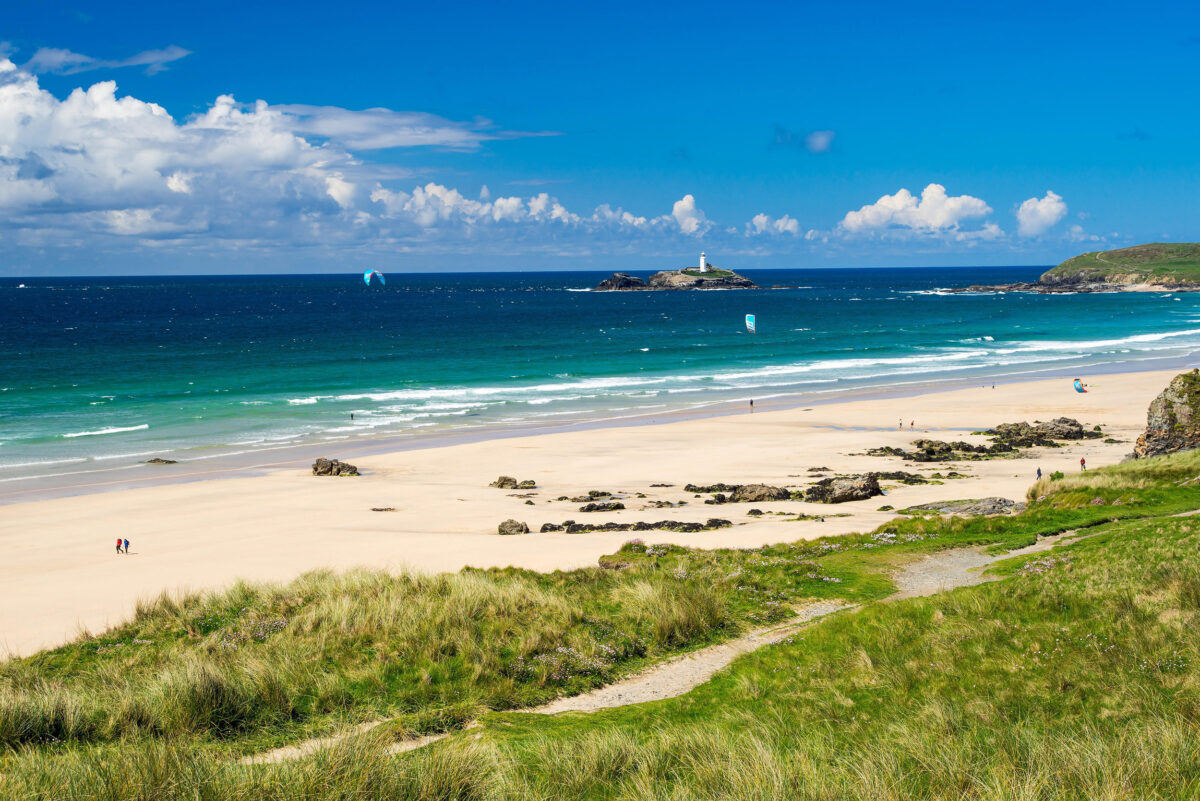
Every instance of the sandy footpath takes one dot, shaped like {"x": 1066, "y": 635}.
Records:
{"x": 61, "y": 572}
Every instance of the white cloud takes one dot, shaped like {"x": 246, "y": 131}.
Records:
{"x": 688, "y": 217}
{"x": 1076, "y": 234}
{"x": 1036, "y": 216}
{"x": 763, "y": 224}
{"x": 380, "y": 128}
{"x": 65, "y": 62}
{"x": 819, "y": 141}
{"x": 934, "y": 212}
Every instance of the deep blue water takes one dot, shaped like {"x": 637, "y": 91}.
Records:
{"x": 101, "y": 374}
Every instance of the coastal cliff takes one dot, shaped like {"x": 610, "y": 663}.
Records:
{"x": 1156, "y": 267}
{"x": 678, "y": 279}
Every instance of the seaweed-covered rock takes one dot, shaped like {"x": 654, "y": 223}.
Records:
{"x": 843, "y": 489}
{"x": 333, "y": 467}
{"x": 757, "y": 493}
{"x": 611, "y": 506}
{"x": 1172, "y": 421}
{"x": 504, "y": 482}
{"x": 528, "y": 483}
{"x": 512, "y": 527}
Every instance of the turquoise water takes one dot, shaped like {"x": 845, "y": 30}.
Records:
{"x": 98, "y": 375}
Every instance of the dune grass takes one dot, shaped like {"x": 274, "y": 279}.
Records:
{"x": 997, "y": 691}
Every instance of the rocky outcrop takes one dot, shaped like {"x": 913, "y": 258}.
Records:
{"x": 1173, "y": 420}
{"x": 678, "y": 279}
{"x": 504, "y": 482}
{"x": 509, "y": 527}
{"x": 1006, "y": 438}
{"x": 620, "y": 281}
{"x": 157, "y": 460}
{"x": 843, "y": 489}
{"x": 968, "y": 506}
{"x": 757, "y": 493}
{"x": 333, "y": 467}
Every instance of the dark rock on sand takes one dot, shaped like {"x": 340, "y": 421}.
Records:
{"x": 504, "y": 482}
{"x": 527, "y": 484}
{"x": 512, "y": 527}
{"x": 1172, "y": 421}
{"x": 383, "y": 508}
{"x": 158, "y": 460}
{"x": 757, "y": 493}
{"x": 571, "y": 527}
{"x": 333, "y": 467}
{"x": 611, "y": 506}
{"x": 843, "y": 489}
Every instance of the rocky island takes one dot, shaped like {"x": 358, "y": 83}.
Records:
{"x": 706, "y": 276}
{"x": 1155, "y": 267}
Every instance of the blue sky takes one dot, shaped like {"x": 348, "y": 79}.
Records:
{"x": 256, "y": 137}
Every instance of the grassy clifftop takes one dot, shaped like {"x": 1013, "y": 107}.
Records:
{"x": 1158, "y": 263}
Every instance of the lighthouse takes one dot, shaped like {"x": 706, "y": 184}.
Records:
{"x": 703, "y": 263}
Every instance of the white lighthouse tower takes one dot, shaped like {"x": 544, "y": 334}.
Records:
{"x": 703, "y": 263}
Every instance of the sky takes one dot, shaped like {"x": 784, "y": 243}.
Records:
{"x": 168, "y": 138}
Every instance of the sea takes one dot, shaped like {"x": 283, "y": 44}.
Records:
{"x": 99, "y": 375}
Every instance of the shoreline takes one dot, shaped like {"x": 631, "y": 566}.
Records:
{"x": 62, "y": 576}
{"x": 301, "y": 455}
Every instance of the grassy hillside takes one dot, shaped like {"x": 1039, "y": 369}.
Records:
{"x": 1179, "y": 263}
{"x": 1078, "y": 677}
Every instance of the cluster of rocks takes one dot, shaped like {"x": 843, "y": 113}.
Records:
{"x": 593, "y": 495}
{"x": 1006, "y": 439}
{"x": 333, "y": 467}
{"x": 160, "y": 460}
{"x": 1173, "y": 420}
{"x": 968, "y": 506}
{"x": 842, "y": 489}
{"x": 687, "y": 527}
{"x": 508, "y": 482}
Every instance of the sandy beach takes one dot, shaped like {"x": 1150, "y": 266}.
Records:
{"x": 62, "y": 575}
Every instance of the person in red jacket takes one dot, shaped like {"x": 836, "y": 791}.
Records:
{"x": 1083, "y": 464}
{"x": 118, "y": 544}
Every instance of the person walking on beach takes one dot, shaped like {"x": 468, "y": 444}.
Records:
{"x": 126, "y": 546}
{"x": 1039, "y": 474}
{"x": 752, "y": 406}
{"x": 1083, "y": 464}
{"x": 118, "y": 544}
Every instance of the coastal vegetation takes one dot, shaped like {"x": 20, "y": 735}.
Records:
{"x": 1079, "y": 670}
{"x": 1153, "y": 263}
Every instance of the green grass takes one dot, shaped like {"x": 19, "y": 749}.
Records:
{"x": 1177, "y": 262}
{"x": 713, "y": 272}
{"x": 924, "y": 698}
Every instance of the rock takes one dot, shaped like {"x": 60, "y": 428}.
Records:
{"x": 758, "y": 493}
{"x": 842, "y": 490}
{"x": 710, "y": 488}
{"x": 689, "y": 279}
{"x": 383, "y": 508}
{"x": 512, "y": 527}
{"x": 612, "y": 506}
{"x": 620, "y": 281}
{"x": 504, "y": 482}
{"x": 157, "y": 460}
{"x": 1172, "y": 422}
{"x": 968, "y": 506}
{"x": 755, "y": 512}
{"x": 333, "y": 467}
{"x": 527, "y": 484}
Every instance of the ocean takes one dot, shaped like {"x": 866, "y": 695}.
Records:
{"x": 97, "y": 375}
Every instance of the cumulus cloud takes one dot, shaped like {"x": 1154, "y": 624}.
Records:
{"x": 1036, "y": 216}
{"x": 763, "y": 224}
{"x": 934, "y": 212}
{"x": 689, "y": 217}
{"x": 64, "y": 62}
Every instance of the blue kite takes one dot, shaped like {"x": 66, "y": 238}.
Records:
{"x": 369, "y": 274}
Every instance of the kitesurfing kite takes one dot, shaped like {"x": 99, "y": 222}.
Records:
{"x": 1079, "y": 386}
{"x": 750, "y": 323}
{"x": 369, "y": 274}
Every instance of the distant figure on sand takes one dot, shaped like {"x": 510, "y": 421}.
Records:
{"x": 1083, "y": 464}
{"x": 118, "y": 544}
{"x": 901, "y": 425}
{"x": 752, "y": 406}
{"x": 1039, "y": 474}
{"x": 126, "y": 546}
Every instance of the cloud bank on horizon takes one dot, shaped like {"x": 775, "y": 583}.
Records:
{"x": 96, "y": 169}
